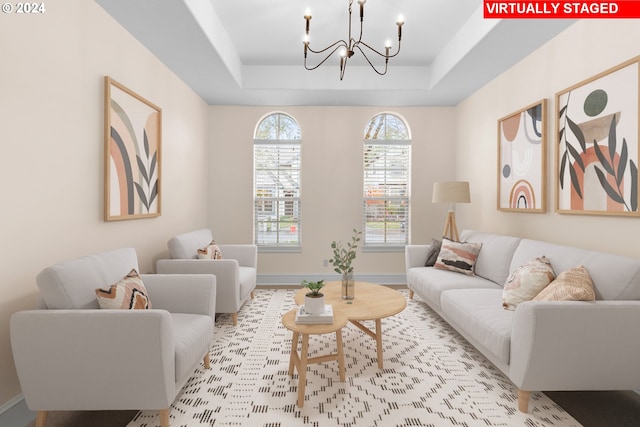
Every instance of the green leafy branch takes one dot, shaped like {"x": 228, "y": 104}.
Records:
{"x": 570, "y": 152}
{"x": 343, "y": 257}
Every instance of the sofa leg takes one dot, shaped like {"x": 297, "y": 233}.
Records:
{"x": 410, "y": 293}
{"x": 253, "y": 294}
{"x": 41, "y": 418}
{"x": 523, "y": 400}
{"x": 207, "y": 361}
{"x": 164, "y": 417}
{"x": 234, "y": 317}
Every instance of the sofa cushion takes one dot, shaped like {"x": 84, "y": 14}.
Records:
{"x": 193, "y": 334}
{"x": 615, "y": 277}
{"x": 429, "y": 283}
{"x": 128, "y": 293}
{"x": 574, "y": 284}
{"x": 478, "y": 314}
{"x": 459, "y": 257}
{"x": 495, "y": 257}
{"x": 72, "y": 284}
{"x": 526, "y": 282}
{"x": 432, "y": 253}
{"x": 212, "y": 251}
{"x": 186, "y": 245}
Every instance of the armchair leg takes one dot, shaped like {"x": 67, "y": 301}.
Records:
{"x": 523, "y": 400}
{"x": 207, "y": 361}
{"x": 41, "y": 418}
{"x": 164, "y": 417}
{"x": 253, "y": 294}
{"x": 234, "y": 317}
{"x": 410, "y": 293}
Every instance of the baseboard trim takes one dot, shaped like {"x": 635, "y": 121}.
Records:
{"x": 295, "y": 279}
{"x": 15, "y": 413}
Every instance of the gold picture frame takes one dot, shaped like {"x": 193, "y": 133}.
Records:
{"x": 522, "y": 159}
{"x": 597, "y": 143}
{"x": 132, "y": 146}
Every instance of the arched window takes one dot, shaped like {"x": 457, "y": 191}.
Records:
{"x": 387, "y": 178}
{"x": 276, "y": 159}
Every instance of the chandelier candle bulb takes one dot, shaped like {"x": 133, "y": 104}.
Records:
{"x": 362, "y": 2}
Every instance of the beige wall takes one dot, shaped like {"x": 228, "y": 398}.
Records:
{"x": 331, "y": 180}
{"x": 51, "y": 166}
{"x": 586, "y": 48}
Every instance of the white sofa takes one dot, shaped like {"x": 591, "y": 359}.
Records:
{"x": 73, "y": 356}
{"x": 236, "y": 272}
{"x": 541, "y": 346}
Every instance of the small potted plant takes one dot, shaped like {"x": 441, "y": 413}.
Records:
{"x": 314, "y": 299}
{"x": 342, "y": 259}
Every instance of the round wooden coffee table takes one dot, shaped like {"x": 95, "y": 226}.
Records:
{"x": 301, "y": 361}
{"x": 371, "y": 302}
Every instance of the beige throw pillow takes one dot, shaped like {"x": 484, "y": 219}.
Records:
{"x": 460, "y": 257}
{"x": 574, "y": 284}
{"x": 526, "y": 282}
{"x": 212, "y": 251}
{"x": 128, "y": 293}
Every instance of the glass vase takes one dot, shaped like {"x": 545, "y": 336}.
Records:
{"x": 348, "y": 286}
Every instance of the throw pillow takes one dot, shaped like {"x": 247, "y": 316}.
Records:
{"x": 212, "y": 251}
{"x": 127, "y": 293}
{"x": 574, "y": 284}
{"x": 432, "y": 253}
{"x": 526, "y": 282}
{"x": 458, "y": 256}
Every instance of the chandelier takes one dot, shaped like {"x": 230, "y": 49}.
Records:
{"x": 347, "y": 48}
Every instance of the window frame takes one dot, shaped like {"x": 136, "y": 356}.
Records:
{"x": 279, "y": 203}
{"x": 404, "y": 199}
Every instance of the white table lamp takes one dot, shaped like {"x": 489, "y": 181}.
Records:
{"x": 451, "y": 192}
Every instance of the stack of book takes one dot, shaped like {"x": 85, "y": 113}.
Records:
{"x": 324, "y": 318}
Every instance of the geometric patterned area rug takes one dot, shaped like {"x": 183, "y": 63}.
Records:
{"x": 431, "y": 377}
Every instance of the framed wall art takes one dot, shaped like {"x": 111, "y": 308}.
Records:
{"x": 522, "y": 159}
{"x": 133, "y": 137}
{"x": 597, "y": 144}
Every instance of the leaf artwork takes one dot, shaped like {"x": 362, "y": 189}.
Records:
{"x": 147, "y": 193}
{"x": 611, "y": 175}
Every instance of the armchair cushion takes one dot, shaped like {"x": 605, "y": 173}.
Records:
{"x": 186, "y": 245}
{"x": 128, "y": 293}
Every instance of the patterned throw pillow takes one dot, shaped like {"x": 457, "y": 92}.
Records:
{"x": 432, "y": 253}
{"x": 574, "y": 284}
{"x": 526, "y": 282}
{"x": 458, "y": 256}
{"x": 212, "y": 251}
{"x": 127, "y": 293}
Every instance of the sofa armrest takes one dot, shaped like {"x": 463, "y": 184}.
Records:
{"x": 66, "y": 359}
{"x": 227, "y": 272}
{"x": 415, "y": 255}
{"x": 246, "y": 255}
{"x": 182, "y": 293}
{"x": 575, "y": 345}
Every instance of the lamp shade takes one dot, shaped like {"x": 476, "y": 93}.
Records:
{"x": 451, "y": 192}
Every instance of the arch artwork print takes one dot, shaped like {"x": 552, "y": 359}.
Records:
{"x": 522, "y": 160}
{"x": 133, "y": 128}
{"x": 597, "y": 144}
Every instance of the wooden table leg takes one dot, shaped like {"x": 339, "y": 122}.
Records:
{"x": 379, "y": 341}
{"x": 294, "y": 349}
{"x": 340, "y": 354}
{"x": 302, "y": 371}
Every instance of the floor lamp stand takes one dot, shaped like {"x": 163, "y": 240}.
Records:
{"x": 450, "y": 228}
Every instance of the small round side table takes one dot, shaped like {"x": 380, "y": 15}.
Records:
{"x": 300, "y": 361}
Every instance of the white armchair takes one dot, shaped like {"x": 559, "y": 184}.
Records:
{"x": 235, "y": 272}
{"x": 74, "y": 356}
